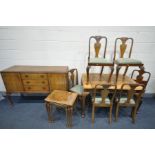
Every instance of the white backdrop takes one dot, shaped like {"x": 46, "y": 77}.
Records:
{"x": 69, "y": 46}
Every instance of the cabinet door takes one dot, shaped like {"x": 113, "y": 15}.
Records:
{"x": 58, "y": 81}
{"x": 12, "y": 82}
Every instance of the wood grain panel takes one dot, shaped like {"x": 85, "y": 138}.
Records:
{"x": 12, "y": 82}
{"x": 58, "y": 81}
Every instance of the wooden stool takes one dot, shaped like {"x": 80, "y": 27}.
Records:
{"x": 62, "y": 99}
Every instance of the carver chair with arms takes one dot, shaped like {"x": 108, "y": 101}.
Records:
{"x": 141, "y": 77}
{"x": 75, "y": 87}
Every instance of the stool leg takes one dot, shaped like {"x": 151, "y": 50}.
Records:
{"x": 69, "y": 111}
{"x": 49, "y": 110}
{"x": 71, "y": 114}
{"x": 67, "y": 117}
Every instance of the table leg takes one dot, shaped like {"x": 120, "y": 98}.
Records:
{"x": 110, "y": 115}
{"x": 140, "y": 103}
{"x": 126, "y": 69}
{"x": 83, "y": 98}
{"x": 87, "y": 70}
{"x": 117, "y": 72}
{"x": 101, "y": 70}
{"x": 112, "y": 70}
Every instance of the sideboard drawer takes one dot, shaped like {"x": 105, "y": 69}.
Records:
{"x": 36, "y": 88}
{"x": 35, "y": 82}
{"x": 33, "y": 76}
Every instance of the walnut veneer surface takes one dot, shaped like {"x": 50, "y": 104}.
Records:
{"x": 97, "y": 79}
{"x": 35, "y": 79}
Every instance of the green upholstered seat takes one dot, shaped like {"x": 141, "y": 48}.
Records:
{"x": 128, "y": 61}
{"x": 77, "y": 89}
{"x": 124, "y": 99}
{"x": 100, "y": 61}
{"x": 98, "y": 100}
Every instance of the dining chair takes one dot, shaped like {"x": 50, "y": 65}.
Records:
{"x": 122, "y": 45}
{"x": 74, "y": 86}
{"x": 103, "y": 98}
{"x": 141, "y": 77}
{"x": 97, "y": 58}
{"x": 128, "y": 99}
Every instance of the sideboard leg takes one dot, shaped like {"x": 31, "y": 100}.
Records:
{"x": 8, "y": 96}
{"x": 22, "y": 95}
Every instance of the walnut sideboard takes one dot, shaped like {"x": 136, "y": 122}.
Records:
{"x": 34, "y": 79}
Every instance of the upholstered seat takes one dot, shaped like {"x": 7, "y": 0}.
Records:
{"x": 128, "y": 61}
{"x": 98, "y": 100}
{"x": 77, "y": 89}
{"x": 100, "y": 61}
{"x": 124, "y": 99}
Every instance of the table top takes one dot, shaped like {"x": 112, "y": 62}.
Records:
{"x": 96, "y": 79}
{"x": 40, "y": 69}
{"x": 62, "y": 97}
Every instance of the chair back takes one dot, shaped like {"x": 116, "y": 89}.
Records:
{"x": 105, "y": 91}
{"x": 73, "y": 77}
{"x": 97, "y": 45}
{"x": 142, "y": 77}
{"x": 129, "y": 90}
{"x": 123, "y": 43}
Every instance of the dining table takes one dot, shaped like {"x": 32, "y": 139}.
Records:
{"x": 96, "y": 78}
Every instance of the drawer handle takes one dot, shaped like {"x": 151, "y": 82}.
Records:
{"x": 44, "y": 88}
{"x": 26, "y": 76}
{"x": 29, "y": 88}
{"x": 27, "y": 82}
{"x": 42, "y": 76}
{"x": 43, "y": 82}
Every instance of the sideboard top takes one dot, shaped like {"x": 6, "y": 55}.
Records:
{"x": 41, "y": 69}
